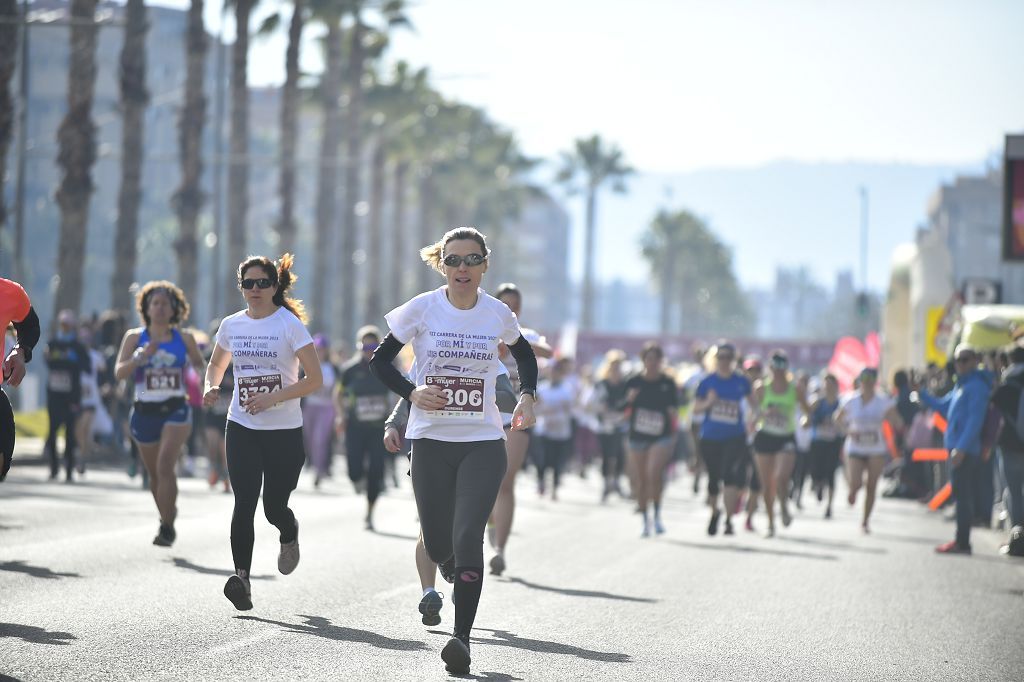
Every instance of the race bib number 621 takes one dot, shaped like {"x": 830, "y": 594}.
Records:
{"x": 465, "y": 397}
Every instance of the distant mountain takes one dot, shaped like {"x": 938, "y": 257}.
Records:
{"x": 784, "y": 213}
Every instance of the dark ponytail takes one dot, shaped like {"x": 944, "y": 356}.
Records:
{"x": 284, "y": 278}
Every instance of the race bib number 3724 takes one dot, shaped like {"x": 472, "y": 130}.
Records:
{"x": 251, "y": 386}
{"x": 465, "y": 397}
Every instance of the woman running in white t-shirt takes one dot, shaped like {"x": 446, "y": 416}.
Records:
{"x": 266, "y": 344}
{"x": 861, "y": 416}
{"x": 458, "y": 442}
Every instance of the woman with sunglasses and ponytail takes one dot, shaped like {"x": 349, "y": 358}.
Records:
{"x": 266, "y": 344}
{"x": 154, "y": 357}
{"x": 455, "y": 428}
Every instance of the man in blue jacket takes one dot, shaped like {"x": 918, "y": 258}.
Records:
{"x": 964, "y": 408}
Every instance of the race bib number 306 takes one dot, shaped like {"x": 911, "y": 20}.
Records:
{"x": 465, "y": 397}
{"x": 251, "y": 386}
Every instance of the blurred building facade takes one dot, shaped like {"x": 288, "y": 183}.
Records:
{"x": 956, "y": 255}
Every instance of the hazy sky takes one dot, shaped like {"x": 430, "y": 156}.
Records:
{"x": 684, "y": 85}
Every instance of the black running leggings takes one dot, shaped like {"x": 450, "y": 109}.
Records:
{"x": 366, "y": 454}
{"x": 612, "y": 454}
{"x": 455, "y": 485}
{"x": 269, "y": 459}
{"x": 61, "y": 414}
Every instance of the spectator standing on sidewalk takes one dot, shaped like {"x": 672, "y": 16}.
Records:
{"x": 1007, "y": 399}
{"x": 964, "y": 408}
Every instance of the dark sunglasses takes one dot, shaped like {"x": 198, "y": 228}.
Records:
{"x": 472, "y": 260}
{"x": 261, "y": 283}
{"x": 725, "y": 357}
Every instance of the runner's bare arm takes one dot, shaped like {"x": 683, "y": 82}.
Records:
{"x": 125, "y": 359}
{"x": 215, "y": 374}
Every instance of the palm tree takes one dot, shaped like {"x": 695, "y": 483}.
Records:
{"x": 599, "y": 164}
{"x": 9, "y": 20}
{"x": 660, "y": 245}
{"x": 689, "y": 261}
{"x": 392, "y": 109}
{"x": 134, "y": 99}
{"x": 238, "y": 165}
{"x": 328, "y": 13}
{"x": 286, "y": 227}
{"x": 363, "y": 41}
{"x": 188, "y": 199}
{"x": 76, "y": 139}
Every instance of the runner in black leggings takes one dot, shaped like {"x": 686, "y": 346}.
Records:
{"x": 458, "y": 449}
{"x": 266, "y": 343}
{"x": 15, "y": 308}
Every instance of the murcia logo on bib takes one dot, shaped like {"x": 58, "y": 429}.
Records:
{"x": 465, "y": 398}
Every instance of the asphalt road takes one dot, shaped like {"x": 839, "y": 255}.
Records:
{"x": 84, "y": 595}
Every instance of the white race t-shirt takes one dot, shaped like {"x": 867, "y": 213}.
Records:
{"x": 864, "y": 430}
{"x": 263, "y": 354}
{"x": 456, "y": 350}
{"x": 554, "y": 407}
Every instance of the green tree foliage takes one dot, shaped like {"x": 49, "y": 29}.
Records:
{"x": 694, "y": 274}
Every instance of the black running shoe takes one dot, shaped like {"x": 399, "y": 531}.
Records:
{"x": 447, "y": 569}
{"x": 237, "y": 590}
{"x": 713, "y": 525}
{"x": 165, "y": 536}
{"x": 728, "y": 528}
{"x": 430, "y": 607}
{"x": 455, "y": 655}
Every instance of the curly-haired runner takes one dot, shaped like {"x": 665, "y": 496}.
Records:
{"x": 154, "y": 356}
{"x": 267, "y": 342}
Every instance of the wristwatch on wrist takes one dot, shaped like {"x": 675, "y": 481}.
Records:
{"x": 530, "y": 392}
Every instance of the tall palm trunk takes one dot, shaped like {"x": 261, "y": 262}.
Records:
{"x": 427, "y": 229}
{"x": 9, "y": 17}
{"x": 238, "y": 167}
{"x": 374, "y": 256}
{"x": 587, "y": 317}
{"x": 189, "y": 198}
{"x": 349, "y": 225}
{"x": 134, "y": 98}
{"x": 76, "y": 139}
{"x": 286, "y": 227}
{"x": 327, "y": 179}
{"x": 399, "y": 257}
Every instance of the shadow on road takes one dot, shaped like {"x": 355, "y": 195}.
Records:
{"x": 754, "y": 550}
{"x": 34, "y": 635}
{"x": 578, "y": 593}
{"x": 395, "y": 536}
{"x": 497, "y": 677}
{"x": 509, "y": 639}
{"x": 830, "y": 544}
{"x": 321, "y": 627}
{"x": 916, "y": 540}
{"x": 205, "y": 570}
{"x": 35, "y": 571}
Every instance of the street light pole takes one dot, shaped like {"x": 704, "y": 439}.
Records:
{"x": 864, "y": 238}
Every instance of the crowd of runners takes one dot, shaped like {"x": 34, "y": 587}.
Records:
{"x": 473, "y": 397}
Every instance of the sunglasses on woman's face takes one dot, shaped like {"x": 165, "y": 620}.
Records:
{"x": 261, "y": 283}
{"x": 472, "y": 260}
